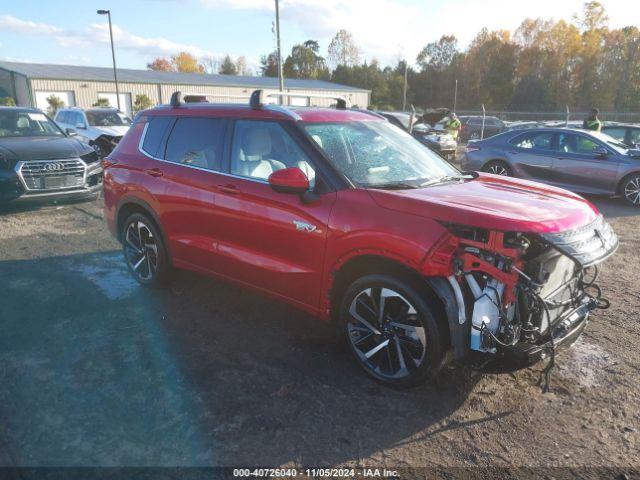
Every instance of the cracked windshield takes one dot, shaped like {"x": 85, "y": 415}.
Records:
{"x": 379, "y": 155}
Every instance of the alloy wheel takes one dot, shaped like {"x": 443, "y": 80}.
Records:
{"x": 498, "y": 169}
{"x": 141, "y": 250}
{"x": 386, "y": 333}
{"x": 632, "y": 191}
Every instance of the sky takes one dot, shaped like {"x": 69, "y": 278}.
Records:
{"x": 70, "y": 31}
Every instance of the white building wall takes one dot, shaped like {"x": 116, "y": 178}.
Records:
{"x": 86, "y": 93}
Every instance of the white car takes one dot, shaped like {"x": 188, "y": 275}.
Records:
{"x": 100, "y": 127}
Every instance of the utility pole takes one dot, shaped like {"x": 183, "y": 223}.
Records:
{"x": 113, "y": 54}
{"x": 404, "y": 93}
{"x": 280, "y": 74}
{"x": 455, "y": 97}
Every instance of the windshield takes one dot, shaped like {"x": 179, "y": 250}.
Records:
{"x": 20, "y": 123}
{"x": 107, "y": 118}
{"x": 611, "y": 142}
{"x": 378, "y": 154}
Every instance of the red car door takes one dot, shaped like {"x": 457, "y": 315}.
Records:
{"x": 192, "y": 158}
{"x": 273, "y": 241}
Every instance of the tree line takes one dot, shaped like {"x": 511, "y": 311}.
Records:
{"x": 544, "y": 65}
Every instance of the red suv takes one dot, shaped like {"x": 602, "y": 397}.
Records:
{"x": 339, "y": 213}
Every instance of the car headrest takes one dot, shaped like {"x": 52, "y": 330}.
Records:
{"x": 23, "y": 122}
{"x": 256, "y": 142}
{"x": 317, "y": 139}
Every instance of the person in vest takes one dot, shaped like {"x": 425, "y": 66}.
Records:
{"x": 593, "y": 122}
{"x": 452, "y": 125}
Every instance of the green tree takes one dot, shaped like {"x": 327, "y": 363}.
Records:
{"x": 269, "y": 65}
{"x": 228, "y": 66}
{"x": 305, "y": 62}
{"x": 54, "y": 104}
{"x": 142, "y": 102}
{"x": 102, "y": 102}
{"x": 7, "y": 102}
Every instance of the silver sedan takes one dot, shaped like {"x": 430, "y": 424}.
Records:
{"x": 578, "y": 160}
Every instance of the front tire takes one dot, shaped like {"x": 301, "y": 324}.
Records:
{"x": 391, "y": 330}
{"x": 144, "y": 250}
{"x": 630, "y": 189}
{"x": 498, "y": 167}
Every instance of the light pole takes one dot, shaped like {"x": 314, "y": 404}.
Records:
{"x": 404, "y": 90}
{"x": 113, "y": 54}
{"x": 280, "y": 74}
{"x": 455, "y": 97}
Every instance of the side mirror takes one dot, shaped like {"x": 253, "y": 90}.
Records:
{"x": 71, "y": 132}
{"x": 601, "y": 152}
{"x": 81, "y": 126}
{"x": 289, "y": 180}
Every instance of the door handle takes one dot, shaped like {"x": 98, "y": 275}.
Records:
{"x": 231, "y": 189}
{"x": 154, "y": 172}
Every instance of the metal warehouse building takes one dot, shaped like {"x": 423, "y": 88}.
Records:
{"x": 30, "y": 84}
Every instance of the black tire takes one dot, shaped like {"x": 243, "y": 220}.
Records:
{"x": 630, "y": 189}
{"x": 498, "y": 167}
{"x": 144, "y": 250}
{"x": 421, "y": 344}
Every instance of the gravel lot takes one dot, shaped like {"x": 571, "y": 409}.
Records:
{"x": 99, "y": 371}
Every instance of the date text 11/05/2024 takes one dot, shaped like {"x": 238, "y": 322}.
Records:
{"x": 315, "y": 472}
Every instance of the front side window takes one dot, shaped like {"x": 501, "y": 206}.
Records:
{"x": 379, "y": 155}
{"x": 635, "y": 136}
{"x": 16, "y": 123}
{"x": 196, "y": 142}
{"x": 616, "y": 132}
{"x": 107, "y": 118}
{"x": 261, "y": 147}
{"x": 534, "y": 140}
{"x": 570, "y": 143}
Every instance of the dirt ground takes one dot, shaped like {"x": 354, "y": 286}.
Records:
{"x": 97, "y": 371}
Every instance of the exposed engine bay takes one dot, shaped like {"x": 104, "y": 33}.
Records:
{"x": 521, "y": 295}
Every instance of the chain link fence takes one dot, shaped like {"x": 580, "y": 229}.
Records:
{"x": 577, "y": 115}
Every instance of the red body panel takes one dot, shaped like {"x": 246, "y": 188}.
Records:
{"x": 243, "y": 230}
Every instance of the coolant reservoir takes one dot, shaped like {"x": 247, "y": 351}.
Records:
{"x": 485, "y": 309}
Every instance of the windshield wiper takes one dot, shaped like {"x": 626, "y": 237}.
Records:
{"x": 392, "y": 186}
{"x": 445, "y": 179}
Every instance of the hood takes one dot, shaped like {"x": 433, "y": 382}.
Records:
{"x": 114, "y": 131}
{"x": 42, "y": 148}
{"x": 495, "y": 203}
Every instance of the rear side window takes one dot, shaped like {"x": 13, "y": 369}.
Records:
{"x": 197, "y": 142}
{"x": 537, "y": 140}
{"x": 156, "y": 128}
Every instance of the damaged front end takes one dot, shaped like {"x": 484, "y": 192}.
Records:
{"x": 519, "y": 296}
{"x": 104, "y": 144}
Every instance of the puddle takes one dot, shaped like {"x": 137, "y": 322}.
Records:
{"x": 108, "y": 272}
{"x": 585, "y": 362}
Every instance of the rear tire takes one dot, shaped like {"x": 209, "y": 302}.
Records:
{"x": 144, "y": 250}
{"x": 498, "y": 167}
{"x": 391, "y": 330}
{"x": 630, "y": 189}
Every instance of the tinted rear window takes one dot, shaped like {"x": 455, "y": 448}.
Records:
{"x": 197, "y": 142}
{"x": 156, "y": 129}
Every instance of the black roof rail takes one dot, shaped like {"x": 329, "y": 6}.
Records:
{"x": 258, "y": 96}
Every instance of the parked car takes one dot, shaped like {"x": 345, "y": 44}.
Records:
{"x": 342, "y": 215}
{"x": 624, "y": 133}
{"x": 38, "y": 161}
{"x": 578, "y": 160}
{"x": 471, "y": 128}
{"x": 100, "y": 127}
{"x": 437, "y": 140}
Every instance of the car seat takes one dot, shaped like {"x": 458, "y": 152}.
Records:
{"x": 254, "y": 155}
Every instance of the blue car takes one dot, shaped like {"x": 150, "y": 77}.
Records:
{"x": 578, "y": 160}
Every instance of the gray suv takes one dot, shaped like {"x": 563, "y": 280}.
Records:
{"x": 578, "y": 160}
{"x": 100, "y": 127}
